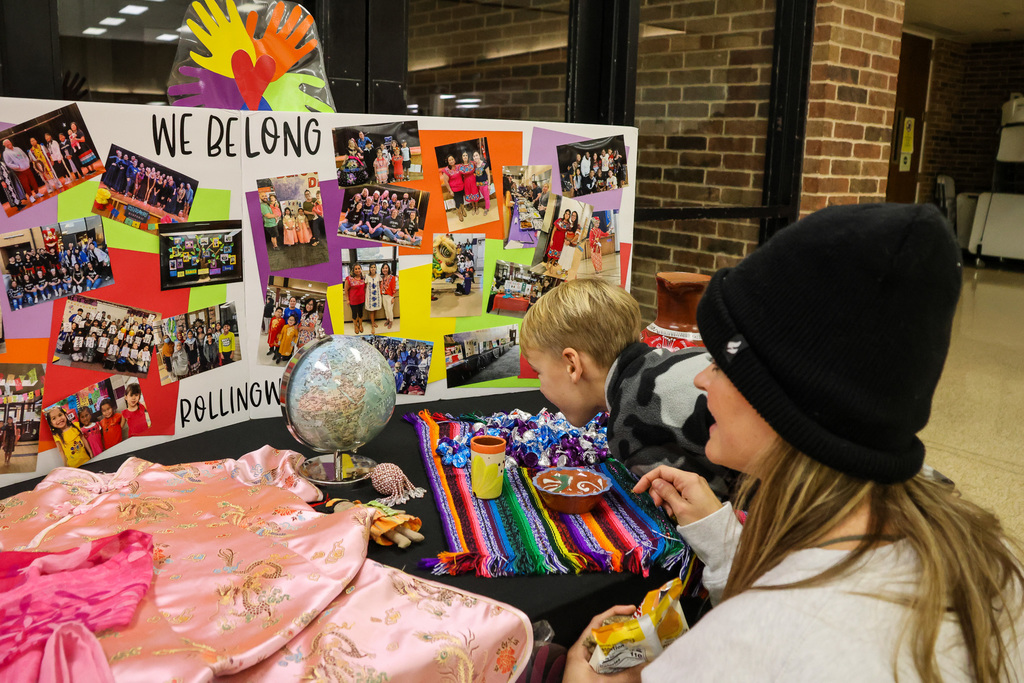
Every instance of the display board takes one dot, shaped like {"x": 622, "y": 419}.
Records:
{"x": 134, "y": 313}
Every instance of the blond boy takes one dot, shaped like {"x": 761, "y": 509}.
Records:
{"x": 582, "y": 339}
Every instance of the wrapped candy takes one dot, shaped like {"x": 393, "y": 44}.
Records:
{"x": 536, "y": 441}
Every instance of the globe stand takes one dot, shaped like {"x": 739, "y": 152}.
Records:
{"x": 325, "y": 470}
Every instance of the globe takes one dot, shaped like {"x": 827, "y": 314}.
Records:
{"x": 338, "y": 393}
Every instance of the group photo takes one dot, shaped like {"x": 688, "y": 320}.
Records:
{"x": 467, "y": 186}
{"x": 111, "y": 338}
{"x": 381, "y": 153}
{"x": 21, "y": 395}
{"x": 593, "y": 166}
{"x": 409, "y": 360}
{"x": 560, "y": 245}
{"x": 195, "y": 254}
{"x": 198, "y": 341}
{"x": 515, "y": 288}
{"x": 481, "y": 355}
{"x": 45, "y": 156}
{"x": 142, "y": 193}
{"x": 527, "y": 190}
{"x": 370, "y": 281}
{"x": 293, "y": 315}
{"x": 96, "y": 418}
{"x": 456, "y": 275}
{"x": 53, "y": 261}
{"x": 384, "y": 213}
{"x": 293, "y": 221}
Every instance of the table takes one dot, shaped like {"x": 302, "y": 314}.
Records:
{"x": 567, "y": 602}
{"x": 511, "y": 303}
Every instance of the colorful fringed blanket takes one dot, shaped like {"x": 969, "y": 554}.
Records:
{"x": 517, "y": 534}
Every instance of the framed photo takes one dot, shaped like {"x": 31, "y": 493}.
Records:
{"x": 196, "y": 254}
{"x": 467, "y": 188}
{"x": 409, "y": 360}
{"x": 591, "y": 166}
{"x": 198, "y": 341}
{"x": 384, "y": 213}
{"x": 297, "y": 312}
{"x": 293, "y": 221}
{"x": 457, "y": 275}
{"x": 54, "y": 261}
{"x": 142, "y": 192}
{"x": 111, "y": 338}
{"x": 481, "y": 355}
{"x": 44, "y": 156}
{"x": 381, "y": 152}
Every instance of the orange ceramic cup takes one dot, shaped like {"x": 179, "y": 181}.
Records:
{"x": 487, "y": 467}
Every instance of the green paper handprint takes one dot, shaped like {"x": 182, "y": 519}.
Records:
{"x": 225, "y": 34}
{"x": 286, "y": 94}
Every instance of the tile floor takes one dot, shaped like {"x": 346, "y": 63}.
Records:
{"x": 976, "y": 432}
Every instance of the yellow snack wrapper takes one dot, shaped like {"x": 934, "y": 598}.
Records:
{"x": 658, "y": 621}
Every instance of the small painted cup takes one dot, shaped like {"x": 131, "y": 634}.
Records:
{"x": 487, "y": 467}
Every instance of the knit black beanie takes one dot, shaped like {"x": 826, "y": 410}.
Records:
{"x": 836, "y": 331}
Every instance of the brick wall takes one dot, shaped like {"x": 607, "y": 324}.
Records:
{"x": 969, "y": 85}
{"x": 852, "y": 96}
{"x": 512, "y": 58}
{"x": 703, "y": 79}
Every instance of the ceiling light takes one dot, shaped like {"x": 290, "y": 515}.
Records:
{"x": 447, "y": 97}
{"x": 167, "y": 36}
{"x": 93, "y": 31}
{"x": 466, "y": 106}
{"x": 468, "y": 100}
{"x": 112, "y": 21}
{"x": 133, "y": 9}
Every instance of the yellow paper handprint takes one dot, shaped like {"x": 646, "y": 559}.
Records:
{"x": 276, "y": 40}
{"x": 286, "y": 94}
{"x": 225, "y": 34}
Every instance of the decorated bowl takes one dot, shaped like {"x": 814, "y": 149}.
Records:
{"x": 572, "y": 490}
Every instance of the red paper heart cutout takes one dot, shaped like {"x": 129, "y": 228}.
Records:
{"x": 252, "y": 80}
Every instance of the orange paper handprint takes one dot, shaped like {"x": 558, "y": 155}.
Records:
{"x": 281, "y": 42}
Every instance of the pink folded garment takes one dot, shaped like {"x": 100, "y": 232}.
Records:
{"x": 93, "y": 587}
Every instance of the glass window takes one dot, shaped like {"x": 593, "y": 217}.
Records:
{"x": 125, "y": 50}
{"x": 488, "y": 59}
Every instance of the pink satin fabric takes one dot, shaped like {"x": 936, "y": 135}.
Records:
{"x": 246, "y": 575}
{"x": 51, "y": 603}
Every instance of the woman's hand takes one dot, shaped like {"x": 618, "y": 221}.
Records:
{"x": 684, "y": 495}
{"x": 577, "y": 660}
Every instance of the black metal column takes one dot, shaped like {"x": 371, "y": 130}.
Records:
{"x": 30, "y": 49}
{"x": 787, "y": 111}
{"x": 601, "y": 80}
{"x": 365, "y": 47}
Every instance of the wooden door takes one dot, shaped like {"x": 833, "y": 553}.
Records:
{"x": 908, "y": 124}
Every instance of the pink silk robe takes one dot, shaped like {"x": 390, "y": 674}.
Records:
{"x": 251, "y": 584}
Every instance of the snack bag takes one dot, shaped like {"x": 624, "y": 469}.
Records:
{"x": 657, "y": 622}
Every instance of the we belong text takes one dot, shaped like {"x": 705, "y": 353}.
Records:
{"x": 232, "y": 136}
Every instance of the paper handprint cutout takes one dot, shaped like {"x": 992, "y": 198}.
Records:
{"x": 229, "y": 64}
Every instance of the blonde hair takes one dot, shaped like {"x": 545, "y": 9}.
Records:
{"x": 589, "y": 315}
{"x": 968, "y": 565}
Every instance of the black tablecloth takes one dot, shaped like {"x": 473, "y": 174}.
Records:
{"x": 567, "y": 602}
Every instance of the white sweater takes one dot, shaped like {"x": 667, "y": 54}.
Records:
{"x": 835, "y": 632}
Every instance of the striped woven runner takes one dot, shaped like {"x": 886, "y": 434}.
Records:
{"x": 517, "y": 534}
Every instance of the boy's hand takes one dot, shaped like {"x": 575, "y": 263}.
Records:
{"x": 684, "y": 495}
